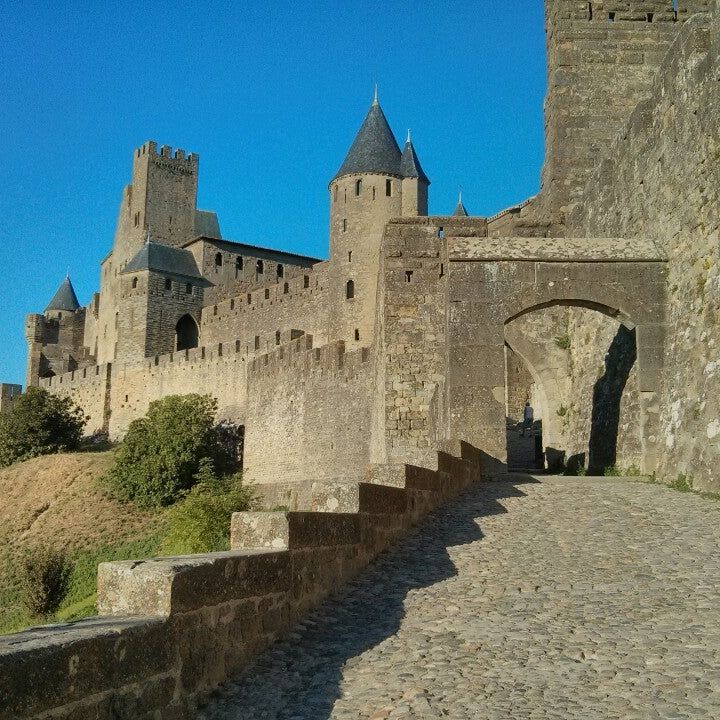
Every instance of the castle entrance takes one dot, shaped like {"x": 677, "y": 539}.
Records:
{"x": 576, "y": 328}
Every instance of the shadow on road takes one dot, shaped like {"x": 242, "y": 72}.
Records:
{"x": 300, "y": 677}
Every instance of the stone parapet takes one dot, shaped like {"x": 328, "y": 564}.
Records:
{"x": 175, "y": 628}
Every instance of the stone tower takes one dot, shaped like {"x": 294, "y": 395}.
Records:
{"x": 375, "y": 183}
{"x": 55, "y": 338}
{"x": 602, "y": 58}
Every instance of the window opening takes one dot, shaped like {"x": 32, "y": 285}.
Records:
{"x": 168, "y": 284}
{"x": 214, "y": 309}
{"x": 441, "y": 233}
{"x": 590, "y": 13}
{"x": 260, "y": 267}
{"x": 350, "y": 256}
{"x": 373, "y": 192}
{"x": 257, "y": 342}
{"x": 358, "y": 187}
{"x": 232, "y": 304}
{"x": 286, "y": 288}
{"x": 350, "y": 290}
{"x": 388, "y": 188}
{"x": 611, "y": 17}
{"x": 357, "y": 334}
{"x": 267, "y": 293}
{"x": 188, "y": 289}
{"x": 280, "y": 271}
{"x": 650, "y": 17}
{"x": 408, "y": 275}
{"x": 277, "y": 337}
{"x": 306, "y": 281}
{"x": 218, "y": 260}
{"x": 344, "y": 225}
{"x": 134, "y": 283}
{"x": 238, "y": 266}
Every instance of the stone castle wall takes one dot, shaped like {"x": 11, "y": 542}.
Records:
{"x": 661, "y": 180}
{"x": 309, "y": 410}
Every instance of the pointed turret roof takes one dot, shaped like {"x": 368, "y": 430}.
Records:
{"x": 65, "y": 298}
{"x": 409, "y": 164}
{"x": 460, "y": 209}
{"x": 375, "y": 149}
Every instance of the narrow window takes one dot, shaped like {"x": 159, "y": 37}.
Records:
{"x": 277, "y": 337}
{"x": 188, "y": 289}
{"x": 249, "y": 298}
{"x": 344, "y": 225}
{"x": 219, "y": 349}
{"x": 408, "y": 275}
{"x": 168, "y": 284}
{"x": 357, "y": 334}
{"x": 350, "y": 289}
{"x": 257, "y": 342}
{"x": 214, "y": 309}
{"x": 441, "y": 232}
{"x": 590, "y": 14}
{"x": 237, "y": 346}
{"x": 388, "y": 188}
{"x": 280, "y": 271}
{"x": 238, "y": 266}
{"x": 267, "y": 293}
{"x": 350, "y": 256}
{"x": 286, "y": 289}
{"x": 373, "y": 192}
{"x": 650, "y": 17}
{"x": 260, "y": 267}
{"x": 345, "y": 193}
{"x": 134, "y": 283}
{"x": 218, "y": 260}
{"x": 442, "y": 269}
{"x": 232, "y": 304}
{"x": 306, "y": 281}
{"x": 611, "y": 17}
{"x": 358, "y": 187}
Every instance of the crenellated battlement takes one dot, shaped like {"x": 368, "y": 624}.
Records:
{"x": 76, "y": 378}
{"x": 627, "y": 11}
{"x": 165, "y": 153}
{"x": 302, "y": 358}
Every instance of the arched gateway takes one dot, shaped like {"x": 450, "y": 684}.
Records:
{"x": 458, "y": 392}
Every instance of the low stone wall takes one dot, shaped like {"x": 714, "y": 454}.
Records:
{"x": 175, "y": 628}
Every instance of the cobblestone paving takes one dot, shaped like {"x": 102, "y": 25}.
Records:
{"x": 565, "y": 598}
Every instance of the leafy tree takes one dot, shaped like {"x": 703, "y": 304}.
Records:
{"x": 39, "y": 423}
{"x": 201, "y": 521}
{"x": 161, "y": 455}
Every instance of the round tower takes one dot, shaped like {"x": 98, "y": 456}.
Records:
{"x": 365, "y": 194}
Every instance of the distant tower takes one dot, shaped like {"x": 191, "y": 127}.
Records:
{"x": 56, "y": 338}
{"x": 415, "y": 182}
{"x": 460, "y": 209}
{"x": 375, "y": 183}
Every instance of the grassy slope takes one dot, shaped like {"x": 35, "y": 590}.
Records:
{"x": 57, "y": 500}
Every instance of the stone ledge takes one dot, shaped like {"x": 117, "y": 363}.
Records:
{"x": 553, "y": 249}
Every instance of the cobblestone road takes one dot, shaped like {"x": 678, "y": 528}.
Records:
{"x": 566, "y": 598}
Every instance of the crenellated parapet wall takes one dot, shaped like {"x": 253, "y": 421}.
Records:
{"x": 292, "y": 394}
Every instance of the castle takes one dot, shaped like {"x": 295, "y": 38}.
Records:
{"x": 595, "y": 299}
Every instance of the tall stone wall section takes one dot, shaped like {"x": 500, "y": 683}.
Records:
{"x": 309, "y": 412}
{"x": 602, "y": 59}
{"x": 661, "y": 180}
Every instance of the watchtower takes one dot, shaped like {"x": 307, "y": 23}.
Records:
{"x": 375, "y": 183}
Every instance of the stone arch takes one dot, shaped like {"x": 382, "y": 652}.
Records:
{"x": 187, "y": 333}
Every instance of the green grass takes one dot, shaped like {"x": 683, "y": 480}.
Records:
{"x": 80, "y": 599}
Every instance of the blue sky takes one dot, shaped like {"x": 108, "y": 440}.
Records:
{"x": 269, "y": 94}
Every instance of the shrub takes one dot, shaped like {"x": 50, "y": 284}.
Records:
{"x": 563, "y": 342}
{"x": 44, "y": 579}
{"x": 201, "y": 522}
{"x": 39, "y": 424}
{"x": 162, "y": 452}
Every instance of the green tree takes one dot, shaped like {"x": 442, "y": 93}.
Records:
{"x": 159, "y": 459}
{"x": 39, "y": 423}
{"x": 44, "y": 579}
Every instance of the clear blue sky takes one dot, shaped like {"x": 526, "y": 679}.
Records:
{"x": 269, "y": 94}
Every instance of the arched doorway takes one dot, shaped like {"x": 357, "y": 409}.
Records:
{"x": 187, "y": 334}
{"x": 575, "y": 364}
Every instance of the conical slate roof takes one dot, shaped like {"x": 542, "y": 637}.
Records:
{"x": 460, "y": 209}
{"x": 410, "y": 165}
{"x": 65, "y": 298}
{"x": 375, "y": 149}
